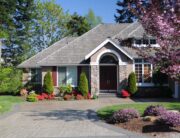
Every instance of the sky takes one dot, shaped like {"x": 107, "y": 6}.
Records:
{"x": 103, "y": 8}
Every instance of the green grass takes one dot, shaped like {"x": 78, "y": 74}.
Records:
{"x": 105, "y": 112}
{"x": 6, "y": 102}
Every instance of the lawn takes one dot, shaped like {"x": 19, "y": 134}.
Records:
{"x": 109, "y": 110}
{"x": 6, "y": 102}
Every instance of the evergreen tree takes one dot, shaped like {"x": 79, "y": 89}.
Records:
{"x": 124, "y": 13}
{"x": 132, "y": 83}
{"x": 92, "y": 19}
{"x": 83, "y": 84}
{"x": 77, "y": 25}
{"x": 19, "y": 33}
{"x": 48, "y": 83}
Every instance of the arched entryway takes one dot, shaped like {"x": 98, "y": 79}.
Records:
{"x": 108, "y": 68}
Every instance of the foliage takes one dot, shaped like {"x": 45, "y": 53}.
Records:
{"x": 10, "y": 80}
{"x": 92, "y": 19}
{"x": 154, "y": 110}
{"x": 48, "y": 83}
{"x": 77, "y": 25}
{"x": 18, "y": 30}
{"x": 159, "y": 78}
{"x": 66, "y": 89}
{"x": 106, "y": 112}
{"x": 79, "y": 97}
{"x": 170, "y": 118}
{"x": 161, "y": 20}
{"x": 32, "y": 97}
{"x": 125, "y": 93}
{"x": 132, "y": 88}
{"x": 49, "y": 25}
{"x": 95, "y": 96}
{"x": 83, "y": 84}
{"x": 45, "y": 96}
{"x": 124, "y": 115}
{"x": 67, "y": 97}
{"x": 23, "y": 92}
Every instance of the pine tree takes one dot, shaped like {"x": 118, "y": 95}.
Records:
{"x": 124, "y": 15}
{"x": 132, "y": 83}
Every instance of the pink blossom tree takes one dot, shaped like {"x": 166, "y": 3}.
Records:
{"x": 161, "y": 18}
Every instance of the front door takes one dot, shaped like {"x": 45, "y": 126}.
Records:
{"x": 108, "y": 78}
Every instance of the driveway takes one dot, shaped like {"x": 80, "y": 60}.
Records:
{"x": 65, "y": 119}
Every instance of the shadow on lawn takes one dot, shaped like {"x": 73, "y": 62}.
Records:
{"x": 66, "y": 115}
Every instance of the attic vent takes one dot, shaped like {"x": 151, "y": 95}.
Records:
{"x": 109, "y": 37}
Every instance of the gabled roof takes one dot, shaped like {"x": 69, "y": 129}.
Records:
{"x": 72, "y": 51}
{"x": 33, "y": 61}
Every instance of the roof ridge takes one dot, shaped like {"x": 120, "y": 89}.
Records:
{"x": 44, "y": 50}
{"x": 76, "y": 39}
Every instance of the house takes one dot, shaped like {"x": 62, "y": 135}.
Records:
{"x": 101, "y": 53}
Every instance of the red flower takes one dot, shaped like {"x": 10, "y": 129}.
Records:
{"x": 40, "y": 97}
{"x": 125, "y": 93}
{"x": 45, "y": 95}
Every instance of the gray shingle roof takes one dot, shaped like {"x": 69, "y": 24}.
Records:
{"x": 33, "y": 61}
{"x": 70, "y": 51}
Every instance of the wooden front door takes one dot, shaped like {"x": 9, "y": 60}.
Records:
{"x": 108, "y": 78}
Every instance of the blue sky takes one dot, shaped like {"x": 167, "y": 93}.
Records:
{"x": 103, "y": 8}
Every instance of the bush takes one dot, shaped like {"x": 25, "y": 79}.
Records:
{"x": 32, "y": 97}
{"x": 65, "y": 89}
{"x": 132, "y": 88}
{"x": 79, "y": 97}
{"x": 159, "y": 78}
{"x": 125, "y": 93}
{"x": 48, "y": 83}
{"x": 124, "y": 115}
{"x": 156, "y": 110}
{"x": 67, "y": 97}
{"x": 10, "y": 80}
{"x": 83, "y": 84}
{"x": 170, "y": 118}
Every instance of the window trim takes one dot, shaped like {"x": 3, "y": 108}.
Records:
{"x": 57, "y": 85}
{"x": 144, "y": 45}
{"x": 144, "y": 84}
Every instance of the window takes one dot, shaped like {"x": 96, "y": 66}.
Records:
{"x": 143, "y": 71}
{"x": 36, "y": 75}
{"x": 67, "y": 75}
{"x": 144, "y": 42}
{"x": 138, "y": 41}
{"x": 152, "y": 41}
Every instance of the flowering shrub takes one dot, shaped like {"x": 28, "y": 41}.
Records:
{"x": 79, "y": 97}
{"x": 40, "y": 97}
{"x": 67, "y": 97}
{"x": 170, "y": 118}
{"x": 156, "y": 110}
{"x": 45, "y": 96}
{"x": 125, "y": 93}
{"x": 124, "y": 115}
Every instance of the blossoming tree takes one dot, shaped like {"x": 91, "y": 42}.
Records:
{"x": 161, "y": 18}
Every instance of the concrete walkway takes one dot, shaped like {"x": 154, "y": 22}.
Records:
{"x": 65, "y": 119}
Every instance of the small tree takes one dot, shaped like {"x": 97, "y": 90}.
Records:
{"x": 83, "y": 84}
{"x": 48, "y": 83}
{"x": 132, "y": 83}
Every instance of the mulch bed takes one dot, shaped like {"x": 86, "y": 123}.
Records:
{"x": 149, "y": 128}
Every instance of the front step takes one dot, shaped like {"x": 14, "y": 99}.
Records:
{"x": 105, "y": 94}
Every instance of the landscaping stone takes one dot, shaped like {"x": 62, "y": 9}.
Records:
{"x": 150, "y": 118}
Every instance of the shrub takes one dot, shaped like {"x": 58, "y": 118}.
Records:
{"x": 125, "y": 93}
{"x": 48, "y": 83}
{"x": 67, "y": 97}
{"x": 156, "y": 110}
{"x": 83, "y": 84}
{"x": 159, "y": 78}
{"x": 10, "y": 80}
{"x": 170, "y": 118}
{"x": 79, "y": 97}
{"x": 23, "y": 92}
{"x": 132, "y": 88}
{"x": 32, "y": 97}
{"x": 65, "y": 89}
{"x": 124, "y": 115}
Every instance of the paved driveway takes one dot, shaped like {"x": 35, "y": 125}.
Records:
{"x": 66, "y": 119}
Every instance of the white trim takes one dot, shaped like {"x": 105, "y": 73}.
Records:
{"x": 57, "y": 79}
{"x": 104, "y": 43}
{"x": 108, "y": 51}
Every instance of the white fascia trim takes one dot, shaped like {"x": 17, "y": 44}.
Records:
{"x": 102, "y": 44}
